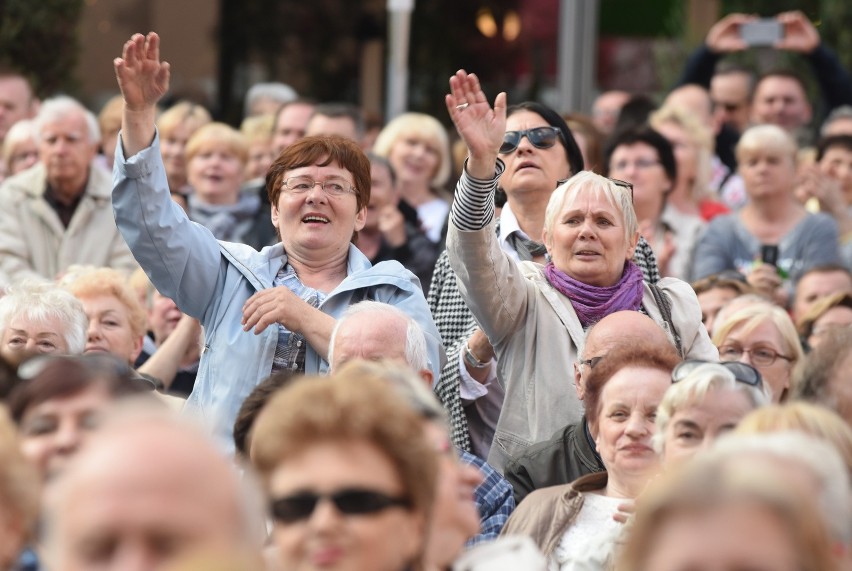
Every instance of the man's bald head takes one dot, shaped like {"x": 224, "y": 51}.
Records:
{"x": 146, "y": 480}
{"x": 616, "y": 330}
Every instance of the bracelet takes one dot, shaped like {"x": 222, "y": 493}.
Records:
{"x": 471, "y": 359}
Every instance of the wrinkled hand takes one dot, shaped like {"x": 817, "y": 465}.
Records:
{"x": 724, "y": 36}
{"x": 142, "y": 77}
{"x": 481, "y": 127}
{"x": 392, "y": 225}
{"x": 274, "y": 305}
{"x": 800, "y": 35}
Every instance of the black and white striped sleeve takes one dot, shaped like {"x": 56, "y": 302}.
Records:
{"x": 473, "y": 204}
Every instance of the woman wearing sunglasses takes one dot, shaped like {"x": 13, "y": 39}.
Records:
{"x": 705, "y": 401}
{"x": 350, "y": 472}
{"x": 535, "y": 315}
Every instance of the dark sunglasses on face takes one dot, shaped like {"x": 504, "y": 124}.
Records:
{"x": 351, "y": 501}
{"x": 743, "y": 372}
{"x": 540, "y": 138}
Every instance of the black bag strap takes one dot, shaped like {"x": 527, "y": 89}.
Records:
{"x": 665, "y": 306}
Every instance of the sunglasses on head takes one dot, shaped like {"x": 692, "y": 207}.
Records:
{"x": 539, "y": 137}
{"x": 742, "y": 372}
{"x": 619, "y": 183}
{"x": 354, "y": 501}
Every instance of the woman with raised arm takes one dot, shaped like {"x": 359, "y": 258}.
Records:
{"x": 261, "y": 311}
{"x": 535, "y": 315}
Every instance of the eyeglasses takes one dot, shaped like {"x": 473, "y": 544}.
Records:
{"x": 331, "y": 186}
{"x": 592, "y": 362}
{"x": 540, "y": 138}
{"x": 761, "y": 356}
{"x": 743, "y": 372}
{"x": 640, "y": 164}
{"x": 350, "y": 501}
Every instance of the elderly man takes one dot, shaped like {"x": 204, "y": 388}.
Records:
{"x": 17, "y": 100}
{"x": 570, "y": 452}
{"x": 147, "y": 490}
{"x": 59, "y": 212}
{"x": 290, "y": 124}
{"x": 372, "y": 331}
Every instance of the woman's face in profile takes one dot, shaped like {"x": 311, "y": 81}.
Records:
{"x": 323, "y": 535}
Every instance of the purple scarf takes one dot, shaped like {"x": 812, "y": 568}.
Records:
{"x": 593, "y": 303}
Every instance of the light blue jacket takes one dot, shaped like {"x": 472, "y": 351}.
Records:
{"x": 211, "y": 280}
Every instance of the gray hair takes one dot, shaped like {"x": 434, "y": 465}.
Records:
{"x": 416, "y": 353}
{"x": 819, "y": 457}
{"x": 694, "y": 387}
{"x": 62, "y": 106}
{"x": 280, "y": 92}
{"x": 40, "y": 301}
{"x": 842, "y": 112}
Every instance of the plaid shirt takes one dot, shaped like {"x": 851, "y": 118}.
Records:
{"x": 290, "y": 351}
{"x": 494, "y": 499}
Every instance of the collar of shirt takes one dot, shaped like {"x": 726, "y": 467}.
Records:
{"x": 508, "y": 225}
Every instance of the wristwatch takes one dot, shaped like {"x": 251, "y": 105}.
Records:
{"x": 471, "y": 359}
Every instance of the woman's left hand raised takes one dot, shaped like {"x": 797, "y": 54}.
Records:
{"x": 481, "y": 127}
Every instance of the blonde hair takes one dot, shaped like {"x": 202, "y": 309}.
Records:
{"x": 586, "y": 181}
{"x": 752, "y": 316}
{"x": 109, "y": 118}
{"x": 258, "y": 128}
{"x": 217, "y": 135}
{"x": 805, "y": 417}
{"x": 182, "y": 113}
{"x": 699, "y": 136}
{"x": 766, "y": 138}
{"x": 421, "y": 126}
{"x": 86, "y": 282}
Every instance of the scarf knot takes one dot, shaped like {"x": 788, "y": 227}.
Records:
{"x": 593, "y": 303}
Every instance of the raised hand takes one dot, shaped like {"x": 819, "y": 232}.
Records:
{"x": 480, "y": 126}
{"x": 800, "y": 35}
{"x": 142, "y": 77}
{"x": 724, "y": 36}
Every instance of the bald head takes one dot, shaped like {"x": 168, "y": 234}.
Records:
{"x": 142, "y": 481}
{"x": 616, "y": 330}
{"x": 695, "y": 100}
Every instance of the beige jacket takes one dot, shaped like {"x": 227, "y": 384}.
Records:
{"x": 33, "y": 241}
{"x": 536, "y": 335}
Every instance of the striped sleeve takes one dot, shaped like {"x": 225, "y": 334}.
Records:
{"x": 473, "y": 204}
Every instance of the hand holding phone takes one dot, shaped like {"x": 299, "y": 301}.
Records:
{"x": 769, "y": 254}
{"x": 763, "y": 32}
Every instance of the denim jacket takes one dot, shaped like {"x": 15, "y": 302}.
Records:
{"x": 211, "y": 280}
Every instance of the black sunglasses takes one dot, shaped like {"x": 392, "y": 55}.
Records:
{"x": 351, "y": 501}
{"x": 615, "y": 181}
{"x": 742, "y": 372}
{"x": 540, "y": 138}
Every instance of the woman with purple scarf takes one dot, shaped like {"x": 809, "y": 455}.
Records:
{"x": 535, "y": 316}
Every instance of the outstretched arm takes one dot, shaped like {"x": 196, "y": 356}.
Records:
{"x": 143, "y": 80}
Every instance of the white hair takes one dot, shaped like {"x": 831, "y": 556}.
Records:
{"x": 416, "y": 353}
{"x": 60, "y": 107}
{"x": 40, "y": 301}
{"x": 280, "y": 92}
{"x": 817, "y": 456}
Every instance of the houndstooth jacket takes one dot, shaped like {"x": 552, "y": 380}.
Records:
{"x": 456, "y": 324}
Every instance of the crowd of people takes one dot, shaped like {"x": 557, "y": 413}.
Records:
{"x": 534, "y": 340}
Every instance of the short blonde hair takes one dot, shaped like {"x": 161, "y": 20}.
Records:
{"x": 109, "y": 118}
{"x": 763, "y": 138}
{"x": 700, "y": 137}
{"x": 86, "y": 282}
{"x": 752, "y": 316}
{"x": 217, "y": 135}
{"x": 618, "y": 197}
{"x": 421, "y": 126}
{"x": 805, "y": 417}
{"x": 183, "y": 112}
{"x": 257, "y": 128}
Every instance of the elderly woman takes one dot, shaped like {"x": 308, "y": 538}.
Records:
{"x": 261, "y": 311}
{"x": 535, "y": 316}
{"x": 40, "y": 318}
{"x": 574, "y": 523}
{"x": 772, "y": 240}
{"x": 763, "y": 336}
{"x": 216, "y": 160}
{"x": 117, "y": 322}
{"x": 646, "y": 159}
{"x": 418, "y": 149}
{"x": 351, "y": 475}
{"x": 176, "y": 126}
{"x": 705, "y": 401}
{"x": 61, "y": 400}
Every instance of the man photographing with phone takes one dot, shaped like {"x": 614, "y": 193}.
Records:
{"x": 779, "y": 98}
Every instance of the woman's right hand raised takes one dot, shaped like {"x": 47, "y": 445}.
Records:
{"x": 142, "y": 77}
{"x": 481, "y": 127}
